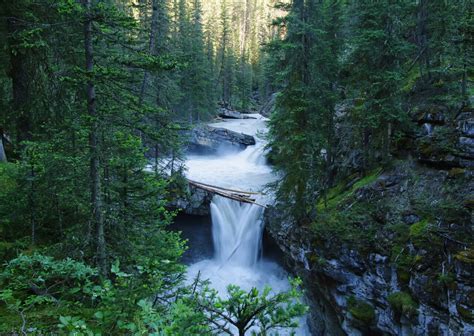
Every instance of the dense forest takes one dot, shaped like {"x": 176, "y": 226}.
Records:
{"x": 370, "y": 134}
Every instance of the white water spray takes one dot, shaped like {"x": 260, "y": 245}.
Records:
{"x": 237, "y": 231}
{"x": 237, "y": 228}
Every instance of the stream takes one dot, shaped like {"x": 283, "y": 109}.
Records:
{"x": 237, "y": 256}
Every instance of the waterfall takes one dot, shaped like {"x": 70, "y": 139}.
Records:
{"x": 237, "y": 231}
{"x": 237, "y": 228}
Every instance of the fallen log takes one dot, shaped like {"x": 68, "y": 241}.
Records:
{"x": 236, "y": 195}
{"x": 226, "y": 189}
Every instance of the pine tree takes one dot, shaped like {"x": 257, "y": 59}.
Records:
{"x": 379, "y": 52}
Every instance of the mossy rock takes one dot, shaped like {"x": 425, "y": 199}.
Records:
{"x": 361, "y": 310}
{"x": 466, "y": 256}
{"x": 316, "y": 259}
{"x": 403, "y": 276}
{"x": 456, "y": 172}
{"x": 465, "y": 313}
{"x": 419, "y": 229}
{"x": 402, "y": 303}
{"x": 342, "y": 192}
{"x": 469, "y": 203}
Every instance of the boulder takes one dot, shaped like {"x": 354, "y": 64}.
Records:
{"x": 229, "y": 114}
{"x": 210, "y": 139}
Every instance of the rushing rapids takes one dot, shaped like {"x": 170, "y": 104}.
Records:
{"x": 237, "y": 227}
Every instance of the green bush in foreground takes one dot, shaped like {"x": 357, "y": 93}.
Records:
{"x": 42, "y": 295}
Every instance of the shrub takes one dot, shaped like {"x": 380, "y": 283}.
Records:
{"x": 402, "y": 303}
{"x": 361, "y": 310}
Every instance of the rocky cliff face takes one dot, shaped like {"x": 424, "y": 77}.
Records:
{"x": 194, "y": 202}
{"x": 392, "y": 253}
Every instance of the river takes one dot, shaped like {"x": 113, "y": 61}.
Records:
{"x": 237, "y": 228}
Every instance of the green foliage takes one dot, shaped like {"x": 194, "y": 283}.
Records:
{"x": 302, "y": 125}
{"x": 340, "y": 193}
{"x": 419, "y": 229}
{"x": 361, "y": 310}
{"x": 349, "y": 78}
{"x": 465, "y": 313}
{"x": 39, "y": 288}
{"x": 466, "y": 256}
{"x": 402, "y": 303}
{"x": 45, "y": 295}
{"x": 254, "y": 311}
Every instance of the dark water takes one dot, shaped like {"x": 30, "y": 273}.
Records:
{"x": 198, "y": 231}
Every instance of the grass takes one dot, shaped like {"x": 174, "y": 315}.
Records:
{"x": 341, "y": 192}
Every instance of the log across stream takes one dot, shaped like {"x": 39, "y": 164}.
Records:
{"x": 236, "y": 195}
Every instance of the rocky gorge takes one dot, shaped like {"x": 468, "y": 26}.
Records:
{"x": 391, "y": 252}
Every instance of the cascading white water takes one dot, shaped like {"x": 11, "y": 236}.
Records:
{"x": 237, "y": 231}
{"x": 237, "y": 227}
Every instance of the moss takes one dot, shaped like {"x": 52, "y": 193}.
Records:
{"x": 418, "y": 229}
{"x": 341, "y": 192}
{"x": 410, "y": 81}
{"x": 403, "y": 276}
{"x": 402, "y": 303}
{"x": 448, "y": 280}
{"x": 371, "y": 177}
{"x": 455, "y": 172}
{"x": 316, "y": 259}
{"x": 466, "y": 256}
{"x": 361, "y": 310}
{"x": 465, "y": 313}
{"x": 352, "y": 226}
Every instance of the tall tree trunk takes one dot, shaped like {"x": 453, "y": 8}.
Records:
{"x": 3, "y": 156}
{"x": 152, "y": 46}
{"x": 20, "y": 81}
{"x": 95, "y": 188}
{"x": 422, "y": 39}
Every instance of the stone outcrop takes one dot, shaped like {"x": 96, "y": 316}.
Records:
{"x": 194, "y": 202}
{"x": 227, "y": 113}
{"x": 400, "y": 263}
{"x": 224, "y": 112}
{"x": 267, "y": 109}
{"x": 211, "y": 139}
{"x": 445, "y": 142}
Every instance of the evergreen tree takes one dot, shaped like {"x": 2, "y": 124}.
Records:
{"x": 302, "y": 127}
{"x": 376, "y": 65}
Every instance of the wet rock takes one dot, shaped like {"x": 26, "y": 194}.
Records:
{"x": 338, "y": 274}
{"x": 195, "y": 202}
{"x": 269, "y": 106}
{"x": 465, "y": 122}
{"x": 209, "y": 139}
{"x": 227, "y": 113}
{"x": 466, "y": 127}
{"x": 432, "y": 114}
{"x": 467, "y": 144}
{"x": 411, "y": 219}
